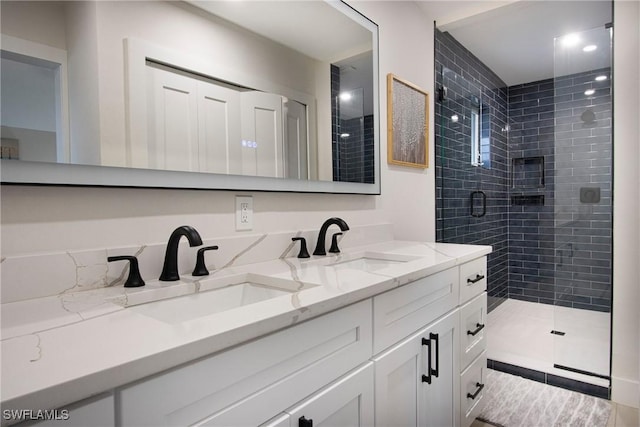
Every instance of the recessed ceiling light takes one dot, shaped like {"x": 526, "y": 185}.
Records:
{"x": 454, "y": 118}
{"x": 345, "y": 135}
{"x": 589, "y": 48}
{"x": 589, "y": 92}
{"x": 570, "y": 40}
{"x": 345, "y": 96}
{"x": 601, "y": 78}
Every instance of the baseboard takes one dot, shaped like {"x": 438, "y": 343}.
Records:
{"x": 625, "y": 392}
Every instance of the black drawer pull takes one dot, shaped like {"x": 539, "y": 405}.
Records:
{"x": 435, "y": 372}
{"x": 427, "y": 378}
{"x": 474, "y": 395}
{"x": 303, "y": 422}
{"x": 476, "y": 280}
{"x": 479, "y": 327}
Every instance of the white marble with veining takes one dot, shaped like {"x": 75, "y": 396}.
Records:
{"x": 84, "y": 339}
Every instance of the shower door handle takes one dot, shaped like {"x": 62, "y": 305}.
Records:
{"x": 484, "y": 203}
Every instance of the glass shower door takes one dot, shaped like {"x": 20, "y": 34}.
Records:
{"x": 582, "y": 185}
{"x": 460, "y": 201}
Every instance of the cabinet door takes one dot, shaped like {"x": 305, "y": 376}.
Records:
{"x": 441, "y": 397}
{"x": 347, "y": 402}
{"x": 95, "y": 411}
{"x": 415, "y": 389}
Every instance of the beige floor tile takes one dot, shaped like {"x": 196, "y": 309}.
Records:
{"x": 626, "y": 416}
{"x": 612, "y": 416}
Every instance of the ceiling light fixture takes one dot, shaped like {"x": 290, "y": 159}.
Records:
{"x": 589, "y": 48}
{"x": 345, "y": 96}
{"x": 570, "y": 40}
{"x": 589, "y": 92}
{"x": 601, "y": 78}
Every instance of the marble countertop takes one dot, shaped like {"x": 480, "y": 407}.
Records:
{"x": 60, "y": 349}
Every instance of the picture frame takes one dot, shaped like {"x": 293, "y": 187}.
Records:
{"x": 407, "y": 123}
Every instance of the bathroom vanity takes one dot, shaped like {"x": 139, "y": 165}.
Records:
{"x": 382, "y": 333}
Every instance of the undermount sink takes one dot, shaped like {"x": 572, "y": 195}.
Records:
{"x": 249, "y": 289}
{"x": 372, "y": 262}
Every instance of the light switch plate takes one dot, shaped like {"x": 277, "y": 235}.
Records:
{"x": 244, "y": 213}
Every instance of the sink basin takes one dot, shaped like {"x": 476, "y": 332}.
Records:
{"x": 246, "y": 290}
{"x": 372, "y": 262}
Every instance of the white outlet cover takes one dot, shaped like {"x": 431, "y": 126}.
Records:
{"x": 244, "y": 213}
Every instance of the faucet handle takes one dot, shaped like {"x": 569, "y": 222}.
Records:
{"x": 134, "y": 280}
{"x": 200, "y": 268}
{"x": 334, "y": 243}
{"x": 303, "y": 247}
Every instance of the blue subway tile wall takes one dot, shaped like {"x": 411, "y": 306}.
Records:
{"x": 549, "y": 208}
{"x": 560, "y": 253}
{"x": 466, "y": 78}
{"x": 353, "y": 155}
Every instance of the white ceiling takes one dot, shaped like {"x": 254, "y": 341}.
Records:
{"x": 314, "y": 28}
{"x": 516, "y": 39}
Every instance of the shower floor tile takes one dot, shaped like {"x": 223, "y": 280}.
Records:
{"x": 519, "y": 333}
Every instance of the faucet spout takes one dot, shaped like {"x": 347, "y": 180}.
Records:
{"x": 320, "y": 245}
{"x": 170, "y": 267}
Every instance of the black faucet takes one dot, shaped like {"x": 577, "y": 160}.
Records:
{"x": 170, "y": 268}
{"x": 320, "y": 245}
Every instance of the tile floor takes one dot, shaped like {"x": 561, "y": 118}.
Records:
{"x": 519, "y": 333}
{"x": 621, "y": 416}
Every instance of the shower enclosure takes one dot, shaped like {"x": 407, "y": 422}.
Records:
{"x": 527, "y": 169}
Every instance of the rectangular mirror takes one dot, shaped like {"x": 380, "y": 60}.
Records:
{"x": 255, "y": 95}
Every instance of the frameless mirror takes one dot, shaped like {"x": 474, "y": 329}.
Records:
{"x": 256, "y": 95}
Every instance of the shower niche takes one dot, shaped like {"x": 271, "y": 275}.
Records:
{"x": 527, "y": 174}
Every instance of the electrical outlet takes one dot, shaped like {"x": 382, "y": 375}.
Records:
{"x": 244, "y": 213}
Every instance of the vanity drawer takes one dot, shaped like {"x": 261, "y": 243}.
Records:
{"x": 473, "y": 279}
{"x": 472, "y": 389}
{"x": 402, "y": 311}
{"x": 251, "y": 383}
{"x": 473, "y": 318}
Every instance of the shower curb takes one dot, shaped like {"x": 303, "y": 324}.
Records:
{"x": 551, "y": 379}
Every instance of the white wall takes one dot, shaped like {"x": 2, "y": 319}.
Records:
{"x": 626, "y": 218}
{"x": 406, "y": 50}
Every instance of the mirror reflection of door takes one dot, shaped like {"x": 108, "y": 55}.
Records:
{"x": 201, "y": 125}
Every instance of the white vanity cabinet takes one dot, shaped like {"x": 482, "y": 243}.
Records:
{"x": 473, "y": 342}
{"x": 346, "y": 402}
{"x": 96, "y": 411}
{"x": 416, "y": 381}
{"x": 252, "y": 383}
{"x": 412, "y": 356}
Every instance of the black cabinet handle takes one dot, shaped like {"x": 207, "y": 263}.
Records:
{"x": 303, "y": 422}
{"x": 474, "y": 395}
{"x": 427, "y": 378}
{"x": 479, "y": 327}
{"x": 477, "y": 279}
{"x": 434, "y": 337}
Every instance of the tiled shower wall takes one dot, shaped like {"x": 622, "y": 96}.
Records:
{"x": 549, "y": 246}
{"x": 560, "y": 252}
{"x": 353, "y": 156}
{"x": 456, "y": 178}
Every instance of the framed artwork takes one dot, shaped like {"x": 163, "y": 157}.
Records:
{"x": 407, "y": 123}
